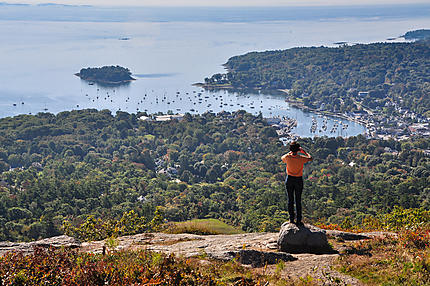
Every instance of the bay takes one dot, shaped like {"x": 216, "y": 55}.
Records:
{"x": 167, "y": 50}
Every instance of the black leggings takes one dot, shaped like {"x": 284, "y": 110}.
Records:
{"x": 294, "y": 186}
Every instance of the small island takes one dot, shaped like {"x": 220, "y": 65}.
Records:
{"x": 111, "y": 75}
{"x": 422, "y": 34}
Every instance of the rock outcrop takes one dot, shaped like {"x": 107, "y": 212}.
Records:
{"x": 252, "y": 257}
{"x": 303, "y": 239}
{"x": 343, "y": 235}
{"x": 260, "y": 258}
{"x": 28, "y": 247}
{"x": 253, "y": 249}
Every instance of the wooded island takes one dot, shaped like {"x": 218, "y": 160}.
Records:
{"x": 106, "y": 75}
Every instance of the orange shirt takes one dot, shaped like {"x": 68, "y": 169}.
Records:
{"x": 295, "y": 164}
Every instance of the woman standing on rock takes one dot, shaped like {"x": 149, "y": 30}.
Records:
{"x": 294, "y": 180}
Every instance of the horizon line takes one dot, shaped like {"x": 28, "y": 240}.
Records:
{"x": 295, "y": 5}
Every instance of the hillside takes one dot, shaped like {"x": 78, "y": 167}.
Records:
{"x": 421, "y": 34}
{"x": 381, "y": 77}
{"x": 227, "y": 166}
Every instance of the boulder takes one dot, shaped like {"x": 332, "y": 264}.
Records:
{"x": 303, "y": 239}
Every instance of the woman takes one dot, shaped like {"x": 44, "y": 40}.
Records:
{"x": 294, "y": 180}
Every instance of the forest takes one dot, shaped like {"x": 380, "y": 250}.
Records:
{"x": 227, "y": 166}
{"x": 106, "y": 74}
{"x": 379, "y": 76}
{"x": 417, "y": 34}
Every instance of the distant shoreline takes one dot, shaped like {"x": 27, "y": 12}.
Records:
{"x": 293, "y": 103}
{"x": 241, "y": 90}
{"x": 213, "y": 86}
{"x": 104, "y": 81}
{"x": 303, "y": 107}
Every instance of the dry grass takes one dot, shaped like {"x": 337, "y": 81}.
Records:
{"x": 387, "y": 262}
{"x": 201, "y": 227}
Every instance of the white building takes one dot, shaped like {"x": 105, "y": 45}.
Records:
{"x": 169, "y": 117}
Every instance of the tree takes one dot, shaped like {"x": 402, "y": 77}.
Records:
{"x": 16, "y": 213}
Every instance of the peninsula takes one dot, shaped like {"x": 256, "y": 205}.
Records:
{"x": 421, "y": 34}
{"x": 375, "y": 84}
{"x": 113, "y": 75}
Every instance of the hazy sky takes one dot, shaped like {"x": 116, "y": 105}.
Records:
{"x": 222, "y": 2}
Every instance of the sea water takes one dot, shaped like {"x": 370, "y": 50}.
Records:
{"x": 167, "y": 51}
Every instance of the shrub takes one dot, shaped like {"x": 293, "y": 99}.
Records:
{"x": 97, "y": 229}
{"x": 401, "y": 218}
{"x": 68, "y": 267}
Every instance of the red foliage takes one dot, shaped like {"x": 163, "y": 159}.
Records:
{"x": 68, "y": 267}
{"x": 331, "y": 226}
{"x": 419, "y": 238}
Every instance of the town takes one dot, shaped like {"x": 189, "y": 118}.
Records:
{"x": 391, "y": 121}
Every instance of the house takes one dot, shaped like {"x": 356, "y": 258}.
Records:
{"x": 391, "y": 151}
{"x": 169, "y": 171}
{"x": 169, "y": 117}
{"x": 37, "y": 165}
{"x": 172, "y": 171}
{"x": 145, "y": 118}
{"x": 363, "y": 93}
{"x": 162, "y": 172}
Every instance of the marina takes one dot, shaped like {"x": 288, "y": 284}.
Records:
{"x": 164, "y": 63}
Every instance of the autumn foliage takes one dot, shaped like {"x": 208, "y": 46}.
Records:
{"x": 68, "y": 267}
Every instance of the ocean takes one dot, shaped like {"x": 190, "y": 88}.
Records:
{"x": 169, "y": 49}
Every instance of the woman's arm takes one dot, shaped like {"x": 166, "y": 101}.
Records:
{"x": 307, "y": 155}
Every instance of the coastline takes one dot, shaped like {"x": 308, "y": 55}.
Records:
{"x": 105, "y": 81}
{"x": 293, "y": 103}
{"x": 213, "y": 86}
{"x": 300, "y": 105}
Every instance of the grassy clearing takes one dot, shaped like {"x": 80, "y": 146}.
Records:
{"x": 201, "y": 227}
